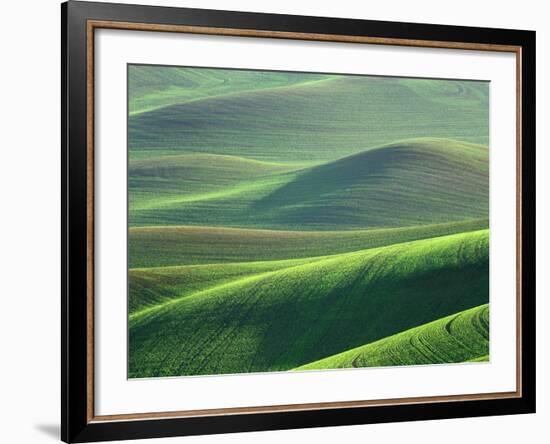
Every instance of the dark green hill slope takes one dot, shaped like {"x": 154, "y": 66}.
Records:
{"x": 419, "y": 181}
{"x": 283, "y": 319}
{"x": 457, "y": 338}
{"x": 406, "y": 183}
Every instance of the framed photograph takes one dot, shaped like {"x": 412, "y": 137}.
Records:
{"x": 275, "y": 221}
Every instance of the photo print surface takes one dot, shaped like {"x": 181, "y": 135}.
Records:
{"x": 288, "y": 221}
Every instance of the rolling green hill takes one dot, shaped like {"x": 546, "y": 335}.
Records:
{"x": 293, "y": 117}
{"x": 171, "y": 255}
{"x": 405, "y": 183}
{"x": 282, "y": 319}
{"x": 170, "y": 181}
{"x": 286, "y": 221}
{"x": 186, "y": 245}
{"x": 413, "y": 182}
{"x": 460, "y": 337}
{"x": 152, "y": 88}
{"x": 149, "y": 287}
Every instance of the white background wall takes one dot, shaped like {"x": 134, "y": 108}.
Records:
{"x": 30, "y": 207}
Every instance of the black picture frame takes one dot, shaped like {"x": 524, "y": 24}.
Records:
{"x": 76, "y": 423}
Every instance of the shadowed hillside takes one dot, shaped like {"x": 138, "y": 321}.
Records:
{"x": 458, "y": 338}
{"x": 282, "y": 319}
{"x": 406, "y": 183}
{"x": 419, "y": 181}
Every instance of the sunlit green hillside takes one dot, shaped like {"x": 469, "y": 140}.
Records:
{"x": 282, "y": 221}
{"x": 287, "y": 317}
{"x": 413, "y": 182}
{"x": 295, "y": 117}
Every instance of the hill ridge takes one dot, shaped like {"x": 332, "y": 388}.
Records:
{"x": 222, "y": 331}
{"x": 340, "y": 116}
{"x": 411, "y": 182}
{"x": 237, "y": 94}
{"x": 153, "y": 247}
{"x": 436, "y": 342}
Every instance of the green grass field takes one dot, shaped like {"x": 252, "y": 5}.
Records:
{"x": 414, "y": 182}
{"x": 462, "y": 337}
{"x": 301, "y": 119}
{"x": 187, "y": 245}
{"x": 303, "y": 312}
{"x": 291, "y": 221}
